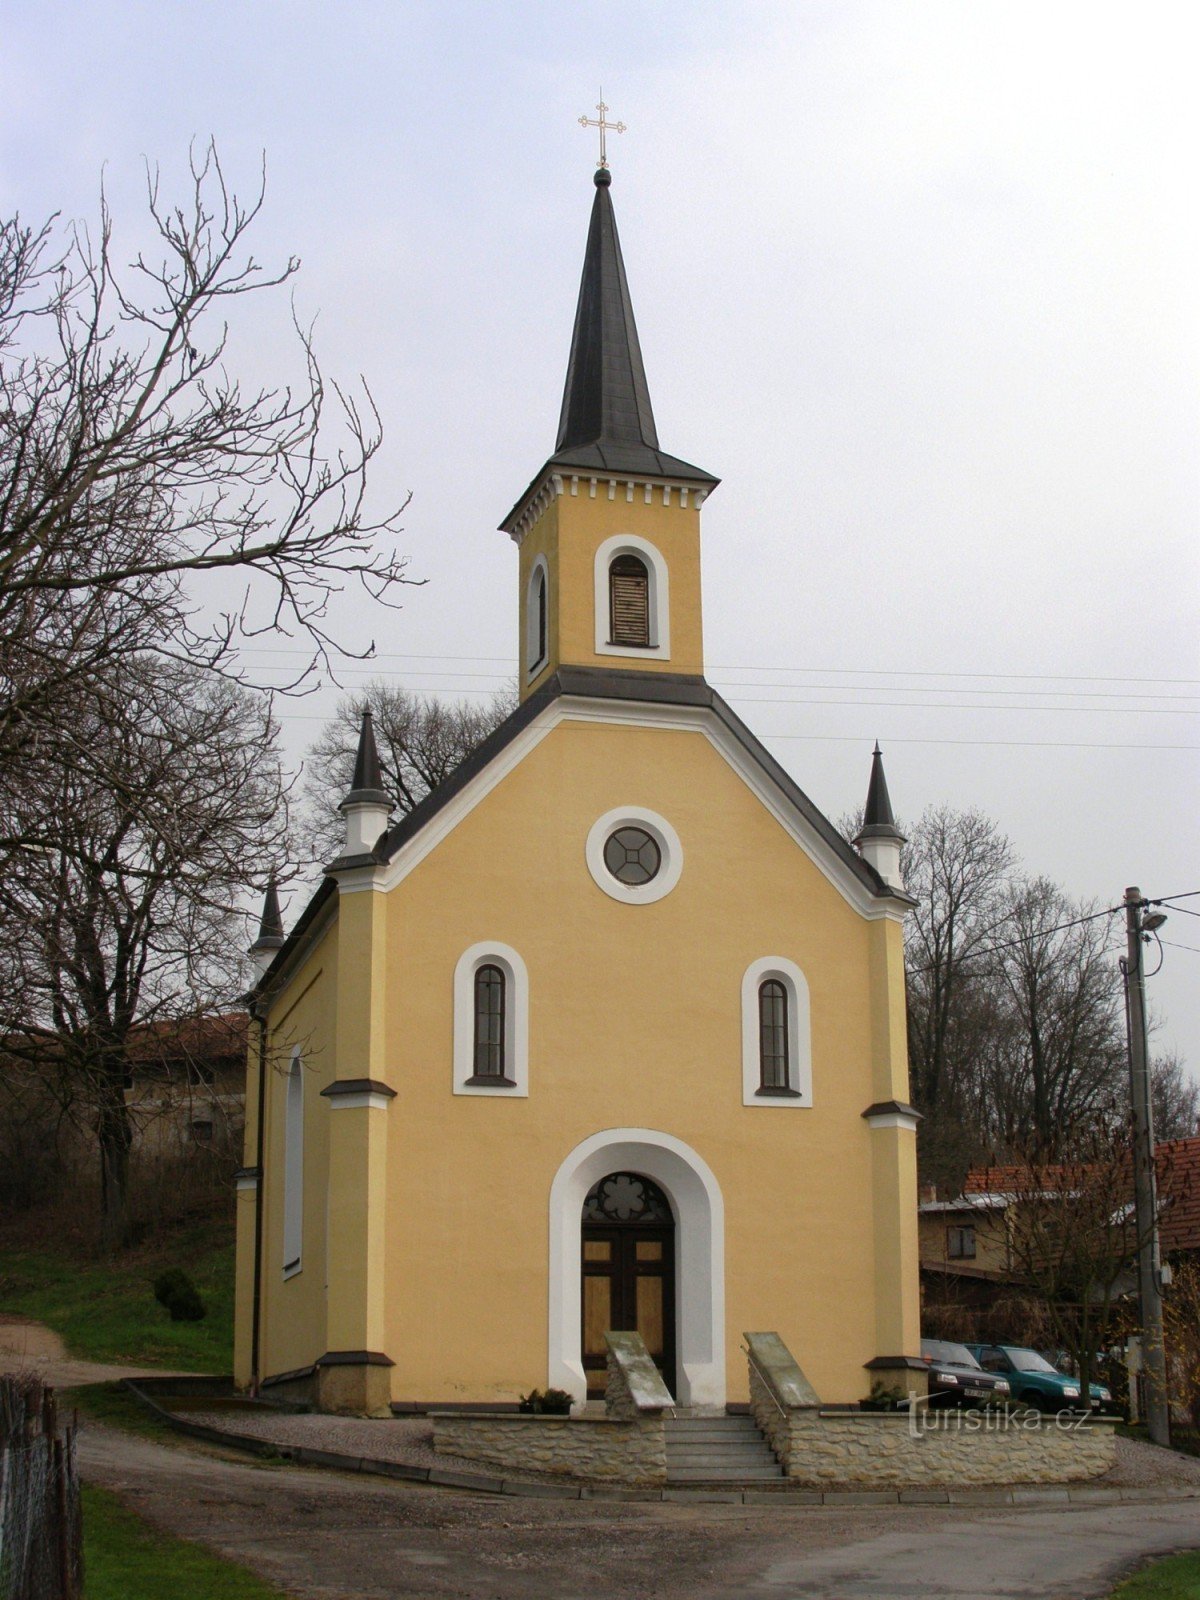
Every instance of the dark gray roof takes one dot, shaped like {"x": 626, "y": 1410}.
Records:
{"x": 654, "y": 688}
{"x": 366, "y": 786}
{"x": 607, "y": 421}
{"x": 878, "y": 821}
{"x": 270, "y": 927}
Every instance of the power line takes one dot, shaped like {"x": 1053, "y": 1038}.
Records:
{"x": 1174, "y": 946}
{"x": 725, "y": 666}
{"x": 1013, "y": 944}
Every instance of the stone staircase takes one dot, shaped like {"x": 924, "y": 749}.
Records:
{"x": 719, "y": 1450}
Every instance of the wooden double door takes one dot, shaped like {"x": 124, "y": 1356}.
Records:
{"x": 628, "y": 1273}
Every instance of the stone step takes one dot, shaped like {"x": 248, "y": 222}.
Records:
{"x": 747, "y": 1475}
{"x": 711, "y": 1425}
{"x": 719, "y": 1446}
{"x": 719, "y": 1441}
{"x": 722, "y": 1450}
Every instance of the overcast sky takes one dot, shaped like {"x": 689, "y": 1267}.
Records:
{"x": 918, "y": 281}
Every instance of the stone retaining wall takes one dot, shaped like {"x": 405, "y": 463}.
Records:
{"x": 602, "y": 1449}
{"x": 950, "y": 1448}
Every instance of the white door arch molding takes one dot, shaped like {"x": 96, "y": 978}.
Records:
{"x": 699, "y": 1209}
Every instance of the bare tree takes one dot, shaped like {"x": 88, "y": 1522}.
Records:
{"x": 1064, "y": 1051}
{"x": 421, "y": 740}
{"x": 1175, "y": 1097}
{"x": 131, "y": 458}
{"x": 158, "y": 801}
{"x": 1072, "y": 1231}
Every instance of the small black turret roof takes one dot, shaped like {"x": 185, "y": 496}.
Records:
{"x": 366, "y": 786}
{"x": 270, "y": 927}
{"x": 878, "y": 820}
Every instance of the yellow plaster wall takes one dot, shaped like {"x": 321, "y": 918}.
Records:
{"x": 635, "y": 1020}
{"x": 303, "y": 1015}
{"x": 569, "y": 532}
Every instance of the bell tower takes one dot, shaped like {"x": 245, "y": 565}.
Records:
{"x": 609, "y": 529}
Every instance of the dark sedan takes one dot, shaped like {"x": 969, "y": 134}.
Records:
{"x": 957, "y": 1379}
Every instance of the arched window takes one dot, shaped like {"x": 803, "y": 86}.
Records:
{"x": 293, "y": 1168}
{"x": 540, "y": 594}
{"x": 773, "y": 1036}
{"x": 776, "y": 1035}
{"x": 489, "y": 1063}
{"x": 536, "y": 618}
{"x": 491, "y": 1022}
{"x": 629, "y": 602}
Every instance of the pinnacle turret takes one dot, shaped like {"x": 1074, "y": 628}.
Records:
{"x": 879, "y": 840}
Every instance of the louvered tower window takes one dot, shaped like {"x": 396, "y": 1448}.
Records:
{"x": 629, "y": 602}
{"x": 489, "y": 1025}
{"x": 773, "y": 1035}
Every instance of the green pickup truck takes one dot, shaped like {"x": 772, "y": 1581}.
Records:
{"x": 1034, "y": 1382}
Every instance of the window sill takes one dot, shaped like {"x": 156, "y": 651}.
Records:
{"x": 779, "y": 1094}
{"x": 630, "y": 644}
{"x": 487, "y": 1081}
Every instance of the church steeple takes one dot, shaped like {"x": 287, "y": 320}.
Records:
{"x": 607, "y": 420}
{"x": 609, "y": 529}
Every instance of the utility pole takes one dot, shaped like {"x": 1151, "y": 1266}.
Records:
{"x": 1154, "y": 1362}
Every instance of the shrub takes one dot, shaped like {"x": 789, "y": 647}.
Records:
{"x": 175, "y": 1291}
{"x": 551, "y": 1402}
{"x": 882, "y": 1398}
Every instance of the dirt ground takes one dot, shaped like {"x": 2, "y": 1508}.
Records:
{"x": 341, "y": 1537}
{"x": 324, "y": 1535}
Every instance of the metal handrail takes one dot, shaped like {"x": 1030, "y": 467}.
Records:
{"x": 766, "y": 1382}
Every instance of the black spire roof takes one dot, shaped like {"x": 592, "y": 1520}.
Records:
{"x": 607, "y": 422}
{"x": 878, "y": 821}
{"x": 366, "y": 786}
{"x": 270, "y": 928}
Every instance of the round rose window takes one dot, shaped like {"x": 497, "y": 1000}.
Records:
{"x": 632, "y": 856}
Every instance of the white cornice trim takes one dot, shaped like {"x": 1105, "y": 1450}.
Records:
{"x": 620, "y": 713}
{"x": 893, "y": 1119}
{"x": 612, "y": 485}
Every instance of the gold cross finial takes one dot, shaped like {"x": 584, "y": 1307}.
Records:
{"x": 599, "y": 122}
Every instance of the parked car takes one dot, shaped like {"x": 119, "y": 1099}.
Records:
{"x": 1034, "y": 1382}
{"x": 957, "y": 1379}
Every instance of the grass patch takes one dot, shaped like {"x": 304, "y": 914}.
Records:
{"x": 126, "y": 1559}
{"x": 1175, "y": 1578}
{"x": 105, "y": 1310}
{"x": 115, "y": 1407}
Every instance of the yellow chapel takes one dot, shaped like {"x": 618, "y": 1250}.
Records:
{"x": 609, "y": 1032}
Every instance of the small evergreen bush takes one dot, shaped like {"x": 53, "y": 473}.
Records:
{"x": 550, "y": 1403}
{"x": 176, "y": 1292}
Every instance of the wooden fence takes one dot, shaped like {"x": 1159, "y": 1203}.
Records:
{"x": 41, "y": 1530}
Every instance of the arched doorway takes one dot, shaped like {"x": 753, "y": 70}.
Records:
{"x": 627, "y": 1272}
{"x": 695, "y": 1195}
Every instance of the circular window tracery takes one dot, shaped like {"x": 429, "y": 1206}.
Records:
{"x": 632, "y": 856}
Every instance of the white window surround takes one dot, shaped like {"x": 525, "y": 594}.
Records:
{"x": 628, "y": 544}
{"x": 293, "y": 1168}
{"x": 663, "y": 834}
{"x": 799, "y": 1034}
{"x": 535, "y": 659}
{"x": 696, "y": 1200}
{"x": 489, "y": 952}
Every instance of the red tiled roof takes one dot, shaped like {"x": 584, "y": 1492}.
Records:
{"x": 1178, "y": 1166}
